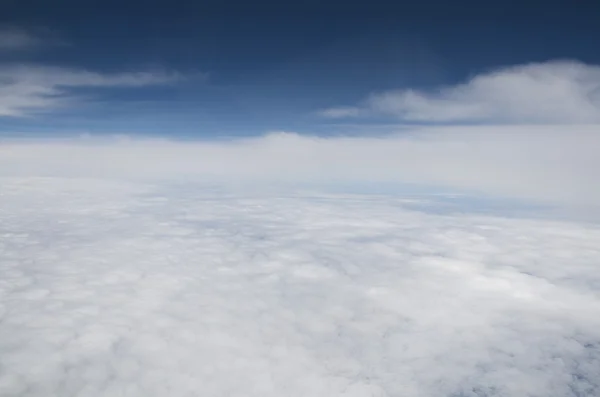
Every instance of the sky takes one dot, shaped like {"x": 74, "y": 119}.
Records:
{"x": 238, "y": 68}
{"x": 305, "y": 199}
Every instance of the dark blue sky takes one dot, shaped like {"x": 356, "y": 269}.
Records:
{"x": 272, "y": 65}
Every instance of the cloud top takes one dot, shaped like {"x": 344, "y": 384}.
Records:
{"x": 112, "y": 288}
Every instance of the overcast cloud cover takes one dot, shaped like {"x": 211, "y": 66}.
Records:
{"x": 150, "y": 289}
{"x": 139, "y": 267}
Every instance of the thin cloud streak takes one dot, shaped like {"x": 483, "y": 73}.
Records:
{"x": 341, "y": 112}
{"x": 27, "y": 89}
{"x": 12, "y": 38}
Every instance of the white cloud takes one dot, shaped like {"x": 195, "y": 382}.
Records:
{"x": 551, "y": 92}
{"x": 551, "y": 164}
{"x": 25, "y": 89}
{"x": 118, "y": 287}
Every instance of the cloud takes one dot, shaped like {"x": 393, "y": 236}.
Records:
{"x": 341, "y": 112}
{"x": 153, "y": 288}
{"x": 566, "y": 92}
{"x": 546, "y": 164}
{"x": 12, "y": 38}
{"x": 25, "y": 89}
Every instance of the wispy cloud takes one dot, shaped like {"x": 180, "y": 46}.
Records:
{"x": 30, "y": 88}
{"x": 26, "y": 89}
{"x": 341, "y": 112}
{"x": 551, "y": 92}
{"x": 13, "y": 38}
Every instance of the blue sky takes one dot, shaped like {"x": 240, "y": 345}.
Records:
{"x": 240, "y": 68}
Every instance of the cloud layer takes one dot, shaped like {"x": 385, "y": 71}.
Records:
{"x": 547, "y": 93}
{"x": 551, "y": 164}
{"x": 148, "y": 289}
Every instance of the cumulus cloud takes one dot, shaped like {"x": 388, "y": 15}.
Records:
{"x": 552, "y": 92}
{"x": 153, "y": 288}
{"x": 551, "y": 164}
{"x": 30, "y": 88}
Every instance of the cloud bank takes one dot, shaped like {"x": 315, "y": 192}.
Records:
{"x": 566, "y": 92}
{"x": 549, "y": 164}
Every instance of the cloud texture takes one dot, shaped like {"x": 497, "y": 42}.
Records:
{"x": 150, "y": 289}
